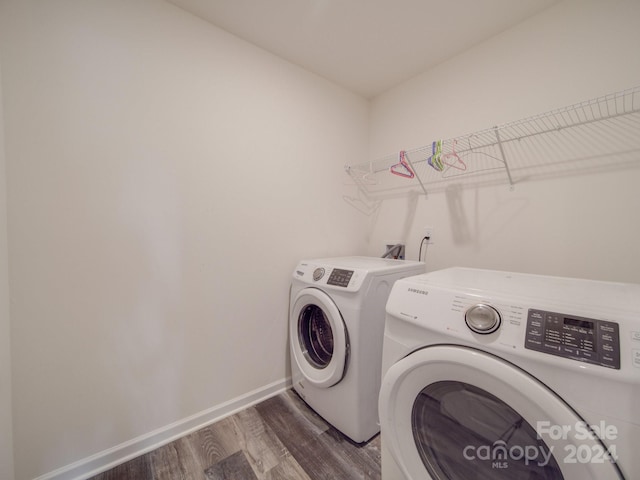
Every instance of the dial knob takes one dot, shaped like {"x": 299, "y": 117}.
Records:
{"x": 482, "y": 318}
{"x": 318, "y": 273}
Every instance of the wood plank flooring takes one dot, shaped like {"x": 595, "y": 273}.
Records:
{"x": 280, "y": 438}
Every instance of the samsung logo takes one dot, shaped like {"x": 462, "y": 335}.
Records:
{"x": 421, "y": 292}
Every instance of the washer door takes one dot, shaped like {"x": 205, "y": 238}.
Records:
{"x": 451, "y": 412}
{"x": 318, "y": 335}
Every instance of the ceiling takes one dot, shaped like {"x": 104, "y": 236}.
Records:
{"x": 367, "y": 46}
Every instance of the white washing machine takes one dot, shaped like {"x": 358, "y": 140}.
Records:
{"x": 336, "y": 327}
{"x": 496, "y": 375}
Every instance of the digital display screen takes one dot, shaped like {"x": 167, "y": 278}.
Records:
{"x": 578, "y": 323}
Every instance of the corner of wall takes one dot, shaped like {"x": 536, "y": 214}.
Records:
{"x": 6, "y": 423}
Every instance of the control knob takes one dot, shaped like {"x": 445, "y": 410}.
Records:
{"x": 482, "y": 318}
{"x": 318, "y": 273}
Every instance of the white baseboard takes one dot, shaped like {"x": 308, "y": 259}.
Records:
{"x": 131, "y": 449}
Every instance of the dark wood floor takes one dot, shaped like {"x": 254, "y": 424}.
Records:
{"x": 278, "y": 439}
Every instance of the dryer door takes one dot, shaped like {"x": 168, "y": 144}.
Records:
{"x": 451, "y": 412}
{"x": 318, "y": 335}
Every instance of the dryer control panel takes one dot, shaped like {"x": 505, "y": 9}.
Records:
{"x": 584, "y": 339}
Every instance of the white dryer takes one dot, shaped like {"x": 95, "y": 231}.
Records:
{"x": 336, "y": 326}
{"x": 496, "y": 375}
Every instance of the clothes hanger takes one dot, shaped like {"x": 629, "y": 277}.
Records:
{"x": 402, "y": 168}
{"x": 452, "y": 160}
{"x": 474, "y": 151}
{"x": 435, "y": 160}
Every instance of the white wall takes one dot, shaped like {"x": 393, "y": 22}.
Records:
{"x": 6, "y": 437}
{"x": 164, "y": 178}
{"x": 585, "y": 225}
{"x": 160, "y": 172}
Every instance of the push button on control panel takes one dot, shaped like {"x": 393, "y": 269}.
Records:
{"x": 534, "y": 329}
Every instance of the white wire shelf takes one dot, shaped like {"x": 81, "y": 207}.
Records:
{"x": 598, "y": 134}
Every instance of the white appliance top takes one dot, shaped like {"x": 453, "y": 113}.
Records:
{"x": 349, "y": 273}
{"x": 562, "y": 290}
{"x": 371, "y": 264}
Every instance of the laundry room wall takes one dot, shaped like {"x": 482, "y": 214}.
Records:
{"x": 164, "y": 178}
{"x": 582, "y": 225}
{"x": 6, "y": 440}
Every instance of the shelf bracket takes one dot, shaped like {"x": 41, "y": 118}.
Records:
{"x": 416, "y": 174}
{"x": 504, "y": 158}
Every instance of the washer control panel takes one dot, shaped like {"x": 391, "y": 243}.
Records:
{"x": 584, "y": 339}
{"x": 340, "y": 278}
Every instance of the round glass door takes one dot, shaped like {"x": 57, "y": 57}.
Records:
{"x": 463, "y": 432}
{"x": 456, "y": 413}
{"x": 318, "y": 335}
{"x": 315, "y": 336}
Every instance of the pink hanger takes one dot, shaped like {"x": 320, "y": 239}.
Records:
{"x": 402, "y": 168}
{"x": 457, "y": 162}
